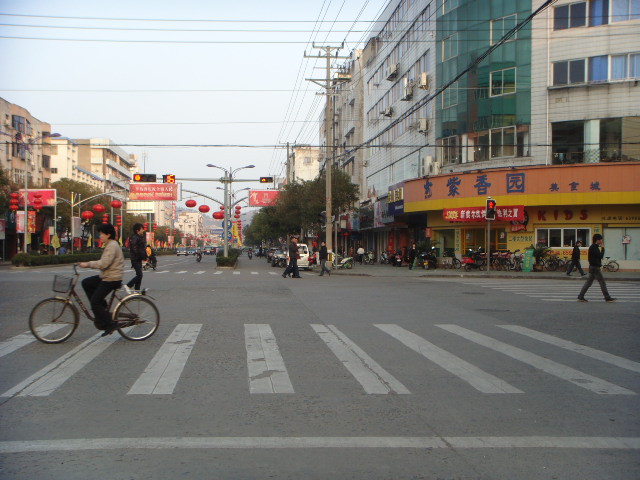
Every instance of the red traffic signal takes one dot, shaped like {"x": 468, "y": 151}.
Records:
{"x": 144, "y": 177}
{"x": 169, "y": 178}
{"x": 490, "y": 213}
{"x": 266, "y": 179}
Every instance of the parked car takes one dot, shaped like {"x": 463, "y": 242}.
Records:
{"x": 191, "y": 251}
{"x": 181, "y": 251}
{"x": 279, "y": 258}
{"x": 303, "y": 261}
{"x": 207, "y": 251}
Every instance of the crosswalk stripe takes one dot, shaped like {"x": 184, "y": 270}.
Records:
{"x": 236, "y": 273}
{"x": 182, "y": 271}
{"x": 218, "y": 272}
{"x": 373, "y": 378}
{"x": 267, "y": 372}
{"x": 254, "y": 273}
{"x": 199, "y": 273}
{"x": 574, "y": 347}
{"x": 477, "y": 378}
{"x": 48, "y": 379}
{"x": 564, "y": 372}
{"x": 162, "y": 374}
{"x": 19, "y": 341}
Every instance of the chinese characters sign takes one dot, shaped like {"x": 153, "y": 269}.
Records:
{"x": 262, "y": 198}
{"x": 476, "y": 214}
{"x": 153, "y": 191}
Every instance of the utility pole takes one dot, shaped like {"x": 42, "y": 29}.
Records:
{"x": 329, "y": 134}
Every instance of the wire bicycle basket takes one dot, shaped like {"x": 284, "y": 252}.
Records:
{"x": 62, "y": 284}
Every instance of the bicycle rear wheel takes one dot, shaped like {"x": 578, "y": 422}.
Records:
{"x": 137, "y": 318}
{"x": 53, "y": 320}
{"x": 612, "y": 266}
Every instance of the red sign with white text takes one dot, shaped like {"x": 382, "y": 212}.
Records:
{"x": 262, "y": 198}
{"x": 48, "y": 197}
{"x": 477, "y": 214}
{"x": 153, "y": 191}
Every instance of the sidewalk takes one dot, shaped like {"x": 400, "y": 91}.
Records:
{"x": 379, "y": 270}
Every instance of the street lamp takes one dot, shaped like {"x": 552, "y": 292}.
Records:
{"x": 228, "y": 178}
{"x": 30, "y": 143}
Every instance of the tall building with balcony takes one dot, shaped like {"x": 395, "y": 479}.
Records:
{"x": 303, "y": 163}
{"x": 105, "y": 159}
{"x": 64, "y": 164}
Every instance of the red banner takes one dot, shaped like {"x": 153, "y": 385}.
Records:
{"x": 262, "y": 198}
{"x": 476, "y": 214}
{"x": 47, "y": 196}
{"x": 153, "y": 191}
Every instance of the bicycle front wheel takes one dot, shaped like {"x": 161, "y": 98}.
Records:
{"x": 53, "y": 320}
{"x": 613, "y": 266}
{"x": 137, "y": 318}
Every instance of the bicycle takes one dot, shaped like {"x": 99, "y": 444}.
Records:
{"x": 54, "y": 319}
{"x": 610, "y": 265}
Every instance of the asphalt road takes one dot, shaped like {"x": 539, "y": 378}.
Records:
{"x": 252, "y": 376}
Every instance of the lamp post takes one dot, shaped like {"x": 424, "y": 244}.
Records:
{"x": 228, "y": 178}
{"x": 29, "y": 144}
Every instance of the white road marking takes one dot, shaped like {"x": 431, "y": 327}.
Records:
{"x": 182, "y": 271}
{"x": 254, "y": 273}
{"x": 421, "y": 443}
{"x": 218, "y": 272}
{"x": 236, "y": 273}
{"x": 477, "y": 378}
{"x": 267, "y": 372}
{"x": 199, "y": 273}
{"x": 19, "y": 341}
{"x": 373, "y": 378}
{"x": 564, "y": 372}
{"x": 48, "y": 379}
{"x": 574, "y": 347}
{"x": 163, "y": 372}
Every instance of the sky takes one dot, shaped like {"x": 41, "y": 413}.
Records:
{"x": 180, "y": 84}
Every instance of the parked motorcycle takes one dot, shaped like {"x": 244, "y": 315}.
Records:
{"x": 384, "y": 258}
{"x": 346, "y": 263}
{"x": 428, "y": 260}
{"x": 474, "y": 260}
{"x": 396, "y": 260}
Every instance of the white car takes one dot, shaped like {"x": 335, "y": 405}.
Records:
{"x": 303, "y": 261}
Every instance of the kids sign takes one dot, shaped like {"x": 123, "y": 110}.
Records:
{"x": 477, "y": 214}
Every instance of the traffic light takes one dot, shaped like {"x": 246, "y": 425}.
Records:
{"x": 266, "y": 179}
{"x": 322, "y": 218}
{"x": 144, "y": 177}
{"x": 169, "y": 178}
{"x": 490, "y": 213}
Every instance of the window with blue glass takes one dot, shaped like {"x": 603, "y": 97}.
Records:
{"x": 623, "y": 10}
{"x": 598, "y": 12}
{"x": 598, "y": 68}
{"x": 570, "y": 16}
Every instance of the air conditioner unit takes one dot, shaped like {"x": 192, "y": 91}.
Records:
{"x": 387, "y": 112}
{"x": 391, "y": 72}
{"x": 423, "y": 126}
{"x": 430, "y": 166}
{"x": 425, "y": 81}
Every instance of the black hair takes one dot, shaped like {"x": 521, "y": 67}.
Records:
{"x": 136, "y": 227}
{"x": 107, "y": 229}
{"x": 597, "y": 237}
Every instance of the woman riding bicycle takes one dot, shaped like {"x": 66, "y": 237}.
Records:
{"x": 111, "y": 266}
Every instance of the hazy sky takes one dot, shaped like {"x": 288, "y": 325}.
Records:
{"x": 150, "y": 75}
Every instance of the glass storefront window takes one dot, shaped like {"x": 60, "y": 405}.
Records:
{"x": 562, "y": 237}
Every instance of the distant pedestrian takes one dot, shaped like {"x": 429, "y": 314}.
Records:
{"x": 413, "y": 251}
{"x": 575, "y": 260}
{"x": 323, "y": 256}
{"x": 596, "y": 253}
{"x": 292, "y": 268}
{"x": 137, "y": 250}
{"x": 360, "y": 253}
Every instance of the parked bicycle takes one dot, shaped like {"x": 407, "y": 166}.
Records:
{"x": 610, "y": 265}
{"x": 54, "y": 319}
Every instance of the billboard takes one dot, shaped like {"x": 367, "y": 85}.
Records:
{"x": 153, "y": 191}
{"x": 262, "y": 198}
{"x": 48, "y": 197}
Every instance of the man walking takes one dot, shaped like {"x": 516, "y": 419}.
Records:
{"x": 293, "y": 260}
{"x": 575, "y": 260}
{"x": 137, "y": 249}
{"x": 323, "y": 255}
{"x": 595, "y": 262}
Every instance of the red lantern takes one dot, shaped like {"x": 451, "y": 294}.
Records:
{"x": 166, "y": 231}
{"x": 116, "y": 203}
{"x": 221, "y": 207}
{"x": 119, "y": 220}
{"x": 37, "y": 204}
{"x": 155, "y": 226}
{"x": 218, "y": 215}
{"x": 14, "y": 201}
{"x": 190, "y": 203}
{"x": 13, "y": 207}
{"x": 204, "y": 208}
{"x": 87, "y": 215}
{"x": 98, "y": 208}
{"x": 14, "y": 195}
{"x": 236, "y": 216}
{"x": 145, "y": 226}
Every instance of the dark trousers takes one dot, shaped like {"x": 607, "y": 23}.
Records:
{"x": 97, "y": 290}
{"x": 595, "y": 274}
{"x": 323, "y": 267}
{"x": 574, "y": 264}
{"x": 136, "y": 281}
{"x": 292, "y": 267}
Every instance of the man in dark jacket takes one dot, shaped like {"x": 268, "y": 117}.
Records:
{"x": 575, "y": 260}
{"x": 137, "y": 248}
{"x": 595, "y": 262}
{"x": 293, "y": 259}
{"x": 322, "y": 256}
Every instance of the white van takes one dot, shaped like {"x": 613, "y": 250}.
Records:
{"x": 303, "y": 261}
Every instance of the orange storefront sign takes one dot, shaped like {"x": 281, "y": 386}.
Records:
{"x": 585, "y": 184}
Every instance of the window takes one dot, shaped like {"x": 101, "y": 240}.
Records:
{"x": 623, "y": 10}
{"x": 503, "y": 142}
{"x": 450, "y": 152}
{"x": 570, "y": 16}
{"x": 307, "y": 161}
{"x": 501, "y": 26}
{"x": 598, "y": 12}
{"x": 450, "y": 47}
{"x": 562, "y": 237}
{"x": 503, "y": 82}
{"x": 569, "y": 72}
{"x": 450, "y": 96}
{"x": 448, "y": 5}
{"x": 54, "y": 170}
{"x": 598, "y": 68}
{"x": 634, "y": 65}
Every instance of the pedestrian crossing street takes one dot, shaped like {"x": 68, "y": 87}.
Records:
{"x": 624, "y": 292}
{"x": 267, "y": 371}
